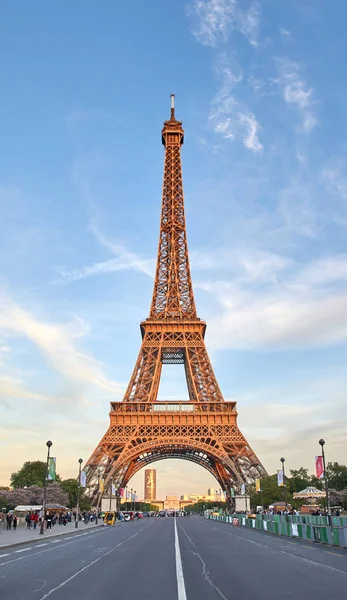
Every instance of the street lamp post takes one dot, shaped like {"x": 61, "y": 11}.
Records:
{"x": 80, "y": 460}
{"x": 284, "y": 483}
{"x": 42, "y": 524}
{"x": 131, "y": 499}
{"x": 111, "y": 484}
{"x": 322, "y": 442}
{"x": 134, "y": 500}
{"x": 126, "y": 497}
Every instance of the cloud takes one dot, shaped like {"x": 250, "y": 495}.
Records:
{"x": 285, "y": 33}
{"x": 124, "y": 261}
{"x": 250, "y": 133}
{"x": 58, "y": 343}
{"x": 145, "y": 266}
{"x": 296, "y": 92}
{"x": 280, "y": 305}
{"x": 13, "y": 388}
{"x": 230, "y": 117}
{"x": 214, "y": 19}
{"x": 295, "y": 417}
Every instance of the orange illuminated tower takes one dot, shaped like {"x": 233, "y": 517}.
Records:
{"x": 204, "y": 428}
{"x": 150, "y": 485}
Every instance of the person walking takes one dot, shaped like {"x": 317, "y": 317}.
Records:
{"x": 49, "y": 521}
{"x": 9, "y": 519}
{"x": 15, "y": 522}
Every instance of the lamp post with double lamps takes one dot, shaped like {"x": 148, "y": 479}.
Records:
{"x": 131, "y": 499}
{"x": 284, "y": 483}
{"x": 80, "y": 460}
{"x": 49, "y": 444}
{"x": 322, "y": 442}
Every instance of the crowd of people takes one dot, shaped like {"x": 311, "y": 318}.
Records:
{"x": 33, "y": 518}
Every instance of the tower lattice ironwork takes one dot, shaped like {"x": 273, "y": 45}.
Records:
{"x": 204, "y": 428}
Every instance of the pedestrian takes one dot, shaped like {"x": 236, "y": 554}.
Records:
{"x": 15, "y": 522}
{"x": 49, "y": 521}
{"x": 36, "y": 519}
{"x": 27, "y": 520}
{"x": 9, "y": 519}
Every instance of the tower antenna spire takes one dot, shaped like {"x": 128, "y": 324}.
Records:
{"x": 172, "y": 96}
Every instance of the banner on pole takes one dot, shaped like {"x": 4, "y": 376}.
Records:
{"x": 101, "y": 485}
{"x": 121, "y": 492}
{"x": 319, "y": 467}
{"x": 113, "y": 489}
{"x": 280, "y": 481}
{"x": 258, "y": 485}
{"x": 243, "y": 489}
{"x": 52, "y": 468}
{"x": 83, "y": 480}
{"x": 232, "y": 493}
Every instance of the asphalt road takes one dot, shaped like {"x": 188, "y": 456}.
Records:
{"x": 140, "y": 560}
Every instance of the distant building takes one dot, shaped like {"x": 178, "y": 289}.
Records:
{"x": 150, "y": 485}
{"x": 185, "y": 497}
{"x": 172, "y": 503}
{"x": 210, "y": 492}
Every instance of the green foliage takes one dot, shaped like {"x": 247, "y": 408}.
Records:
{"x": 299, "y": 479}
{"x": 337, "y": 476}
{"x": 70, "y": 486}
{"x": 31, "y": 473}
{"x": 270, "y": 493}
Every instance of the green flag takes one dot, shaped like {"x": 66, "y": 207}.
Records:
{"x": 232, "y": 493}
{"x": 51, "y": 468}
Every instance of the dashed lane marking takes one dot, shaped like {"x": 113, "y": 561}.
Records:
{"x": 3, "y": 555}
{"x": 40, "y": 545}
{"x": 23, "y": 550}
{"x": 333, "y": 553}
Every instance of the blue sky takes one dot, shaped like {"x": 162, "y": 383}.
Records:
{"x": 260, "y": 87}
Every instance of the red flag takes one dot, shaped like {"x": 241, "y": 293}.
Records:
{"x": 319, "y": 467}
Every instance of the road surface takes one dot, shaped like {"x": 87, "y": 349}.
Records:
{"x": 173, "y": 559}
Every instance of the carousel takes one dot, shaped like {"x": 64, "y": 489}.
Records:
{"x": 309, "y": 495}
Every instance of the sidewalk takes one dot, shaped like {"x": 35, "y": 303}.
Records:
{"x": 23, "y": 535}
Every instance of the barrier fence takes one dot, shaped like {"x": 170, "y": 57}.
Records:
{"x": 303, "y": 527}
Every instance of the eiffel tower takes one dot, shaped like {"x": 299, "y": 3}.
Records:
{"x": 204, "y": 428}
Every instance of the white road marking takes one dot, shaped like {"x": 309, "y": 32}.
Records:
{"x": 93, "y": 563}
{"x": 24, "y": 550}
{"x": 55, "y": 541}
{"x": 2, "y": 555}
{"x": 40, "y": 545}
{"x": 181, "y": 589}
{"x": 313, "y": 562}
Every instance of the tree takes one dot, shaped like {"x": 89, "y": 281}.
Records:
{"x": 31, "y": 473}
{"x": 70, "y": 487}
{"x": 299, "y": 480}
{"x": 270, "y": 493}
{"x": 337, "y": 476}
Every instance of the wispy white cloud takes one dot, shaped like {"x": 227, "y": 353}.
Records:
{"x": 11, "y": 387}
{"x": 124, "y": 261}
{"x": 296, "y": 92}
{"x": 58, "y": 344}
{"x": 230, "y": 117}
{"x": 213, "y": 20}
{"x": 285, "y": 33}
{"x": 300, "y": 306}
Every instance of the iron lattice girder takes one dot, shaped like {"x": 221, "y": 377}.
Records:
{"x": 204, "y": 429}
